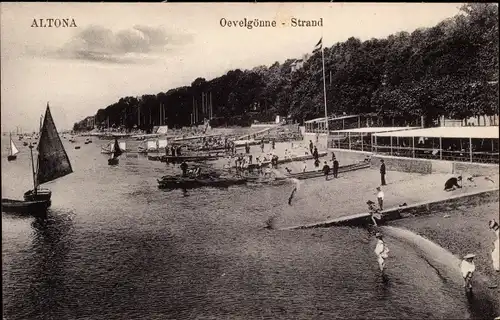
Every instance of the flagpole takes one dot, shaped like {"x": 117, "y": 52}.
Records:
{"x": 324, "y": 84}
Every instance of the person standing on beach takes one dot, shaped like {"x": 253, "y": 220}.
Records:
{"x": 311, "y": 146}
{"x": 326, "y": 170}
{"x": 380, "y": 198}
{"x": 495, "y": 254}
{"x": 467, "y": 267}
{"x": 335, "y": 168}
{"x": 382, "y": 173}
{"x": 262, "y": 145}
{"x": 381, "y": 251}
{"x": 273, "y": 144}
{"x": 316, "y": 154}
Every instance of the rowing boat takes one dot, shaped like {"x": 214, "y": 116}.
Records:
{"x": 191, "y": 183}
{"x": 320, "y": 173}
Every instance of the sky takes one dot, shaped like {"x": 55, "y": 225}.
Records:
{"x": 119, "y": 49}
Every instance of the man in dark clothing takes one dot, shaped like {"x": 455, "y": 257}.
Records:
{"x": 178, "y": 151}
{"x": 382, "y": 173}
{"x": 316, "y": 154}
{"x": 184, "y": 168}
{"x": 247, "y": 148}
{"x": 173, "y": 151}
{"x": 274, "y": 144}
{"x": 335, "y": 167}
{"x": 333, "y": 156}
{"x": 452, "y": 183}
{"x": 326, "y": 170}
{"x": 311, "y": 146}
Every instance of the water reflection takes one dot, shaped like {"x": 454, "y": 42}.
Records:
{"x": 46, "y": 290}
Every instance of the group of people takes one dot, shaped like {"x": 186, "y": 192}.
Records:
{"x": 467, "y": 265}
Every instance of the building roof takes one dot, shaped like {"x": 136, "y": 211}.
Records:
{"x": 373, "y": 129}
{"x": 489, "y": 132}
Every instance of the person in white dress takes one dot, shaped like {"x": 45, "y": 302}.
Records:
{"x": 495, "y": 254}
{"x": 467, "y": 267}
{"x": 381, "y": 251}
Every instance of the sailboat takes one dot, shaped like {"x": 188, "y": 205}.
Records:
{"x": 109, "y": 149}
{"x": 116, "y": 153}
{"x": 12, "y": 150}
{"x": 52, "y": 160}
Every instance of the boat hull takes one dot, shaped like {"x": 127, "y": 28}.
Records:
{"x": 192, "y": 183}
{"x": 25, "y": 207}
{"x": 11, "y": 157}
{"x": 40, "y": 195}
{"x": 113, "y": 162}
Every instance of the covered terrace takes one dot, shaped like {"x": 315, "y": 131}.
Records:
{"x": 359, "y": 138}
{"x": 466, "y": 144}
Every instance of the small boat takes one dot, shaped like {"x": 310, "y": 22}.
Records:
{"x": 25, "y": 144}
{"x": 77, "y": 147}
{"x": 196, "y": 158}
{"x": 19, "y": 206}
{"x": 110, "y": 147}
{"x": 320, "y": 173}
{"x": 12, "y": 150}
{"x": 116, "y": 153}
{"x": 198, "y": 182}
{"x": 52, "y": 160}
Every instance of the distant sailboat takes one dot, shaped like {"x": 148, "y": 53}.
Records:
{"x": 12, "y": 150}
{"x": 109, "y": 149}
{"x": 52, "y": 161}
{"x": 116, "y": 153}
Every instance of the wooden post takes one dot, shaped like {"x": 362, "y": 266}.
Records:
{"x": 349, "y": 138}
{"x": 361, "y": 135}
{"x": 470, "y": 148}
{"x": 391, "y": 144}
{"x": 343, "y": 124}
{"x": 374, "y": 144}
{"x": 413, "y": 146}
{"x": 440, "y": 148}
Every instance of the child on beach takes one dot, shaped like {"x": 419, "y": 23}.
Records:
{"x": 495, "y": 254}
{"x": 467, "y": 267}
{"x": 374, "y": 213}
{"x": 381, "y": 251}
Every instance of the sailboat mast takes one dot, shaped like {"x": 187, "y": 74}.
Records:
{"x": 10, "y": 143}
{"x": 33, "y": 167}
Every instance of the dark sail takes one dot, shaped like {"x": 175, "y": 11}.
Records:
{"x": 116, "y": 150}
{"x": 53, "y": 162}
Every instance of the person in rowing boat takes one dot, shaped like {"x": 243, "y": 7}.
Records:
{"x": 184, "y": 168}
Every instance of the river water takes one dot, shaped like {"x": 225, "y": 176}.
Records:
{"x": 114, "y": 246}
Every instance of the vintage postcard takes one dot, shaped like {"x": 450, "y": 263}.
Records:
{"x": 250, "y": 161}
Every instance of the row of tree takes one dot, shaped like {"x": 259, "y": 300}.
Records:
{"x": 450, "y": 69}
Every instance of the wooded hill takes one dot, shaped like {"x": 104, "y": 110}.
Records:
{"x": 450, "y": 69}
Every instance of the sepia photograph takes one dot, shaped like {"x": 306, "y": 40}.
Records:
{"x": 250, "y": 161}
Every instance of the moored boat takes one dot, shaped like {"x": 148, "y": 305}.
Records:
{"x": 198, "y": 182}
{"x": 320, "y": 173}
{"x": 19, "y": 206}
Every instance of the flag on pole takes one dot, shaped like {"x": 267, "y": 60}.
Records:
{"x": 318, "y": 46}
